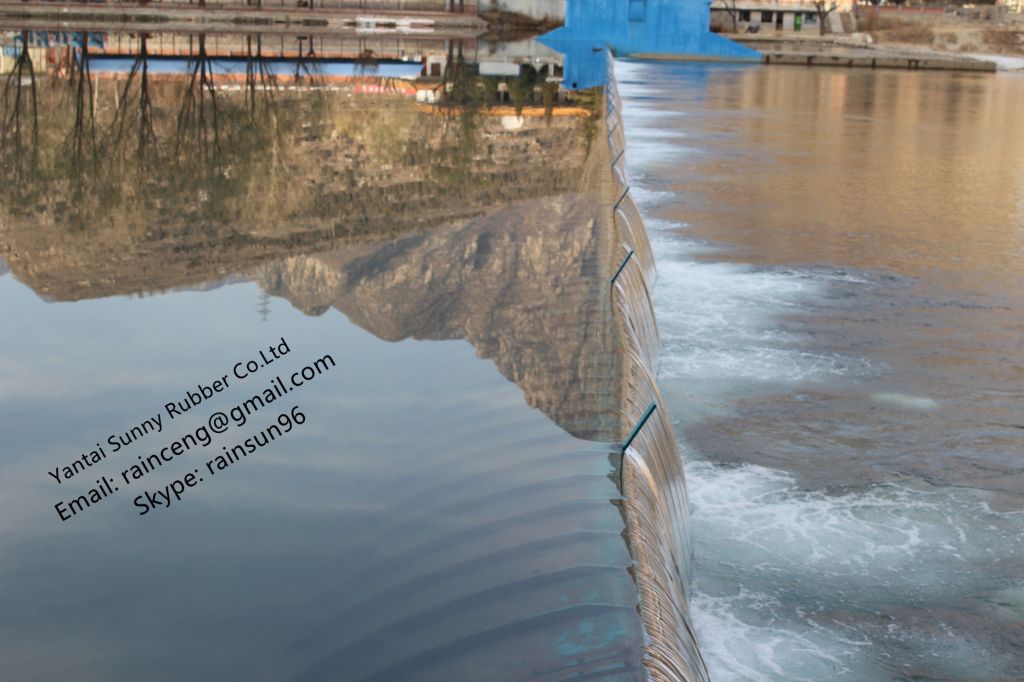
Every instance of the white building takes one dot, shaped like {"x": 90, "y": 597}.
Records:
{"x": 777, "y": 15}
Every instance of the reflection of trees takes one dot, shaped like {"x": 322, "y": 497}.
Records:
{"x": 464, "y": 87}
{"x": 18, "y": 135}
{"x": 80, "y": 148}
{"x": 367, "y": 63}
{"x": 307, "y": 69}
{"x": 146, "y": 143}
{"x": 260, "y": 81}
{"x": 176, "y": 154}
{"x": 198, "y": 130}
{"x": 77, "y": 163}
{"x": 466, "y": 93}
{"x": 134, "y": 113}
{"x": 295, "y": 179}
{"x": 461, "y": 80}
{"x": 466, "y": 96}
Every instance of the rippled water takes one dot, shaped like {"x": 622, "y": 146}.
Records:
{"x": 841, "y": 302}
{"x": 448, "y": 508}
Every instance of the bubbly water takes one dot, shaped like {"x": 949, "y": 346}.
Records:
{"x": 846, "y": 407}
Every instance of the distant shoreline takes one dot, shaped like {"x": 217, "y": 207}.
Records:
{"x": 923, "y": 43}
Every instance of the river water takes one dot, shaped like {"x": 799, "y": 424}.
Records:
{"x": 841, "y": 303}
{"x": 439, "y": 499}
{"x": 446, "y": 496}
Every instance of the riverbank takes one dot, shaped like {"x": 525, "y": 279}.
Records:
{"x": 907, "y": 40}
{"x": 855, "y": 51}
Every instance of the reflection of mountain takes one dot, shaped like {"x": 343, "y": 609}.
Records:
{"x": 414, "y": 222}
{"x": 522, "y": 284}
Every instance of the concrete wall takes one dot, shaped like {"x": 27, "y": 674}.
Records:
{"x": 538, "y": 9}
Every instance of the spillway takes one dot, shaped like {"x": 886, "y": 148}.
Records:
{"x": 652, "y": 479}
{"x": 485, "y": 487}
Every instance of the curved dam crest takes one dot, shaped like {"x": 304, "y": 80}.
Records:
{"x": 652, "y": 480}
{"x": 487, "y": 487}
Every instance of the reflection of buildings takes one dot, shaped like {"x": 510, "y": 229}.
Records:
{"x": 11, "y": 51}
{"x": 411, "y": 65}
{"x": 860, "y": 168}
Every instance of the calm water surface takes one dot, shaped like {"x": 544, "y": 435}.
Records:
{"x": 444, "y": 511}
{"x": 841, "y": 298}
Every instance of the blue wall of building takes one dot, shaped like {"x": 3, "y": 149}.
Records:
{"x": 664, "y": 28}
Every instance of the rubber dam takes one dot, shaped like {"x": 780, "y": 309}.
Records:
{"x": 490, "y": 487}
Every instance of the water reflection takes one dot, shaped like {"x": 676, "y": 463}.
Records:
{"x": 218, "y": 171}
{"x": 910, "y": 216}
{"x": 432, "y": 524}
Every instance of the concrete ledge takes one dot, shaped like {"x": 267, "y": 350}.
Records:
{"x": 879, "y": 62}
{"x": 663, "y": 57}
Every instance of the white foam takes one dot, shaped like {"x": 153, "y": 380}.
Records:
{"x": 649, "y": 198}
{"x": 904, "y": 400}
{"x": 769, "y": 520}
{"x": 644, "y": 150}
{"x": 739, "y": 649}
{"x": 801, "y": 555}
{"x": 719, "y": 321}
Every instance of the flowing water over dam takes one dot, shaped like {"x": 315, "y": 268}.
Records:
{"x": 841, "y": 355}
{"x": 428, "y": 317}
{"x": 652, "y": 481}
{"x": 372, "y": 357}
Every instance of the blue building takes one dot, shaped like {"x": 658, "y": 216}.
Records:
{"x": 661, "y": 29}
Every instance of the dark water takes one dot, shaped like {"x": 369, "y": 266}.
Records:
{"x": 841, "y": 301}
{"x": 439, "y": 502}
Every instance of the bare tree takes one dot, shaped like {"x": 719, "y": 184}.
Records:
{"x": 137, "y": 104}
{"x": 17, "y": 104}
{"x": 260, "y": 80}
{"x": 307, "y": 66}
{"x": 823, "y": 8}
{"x": 198, "y": 119}
{"x": 729, "y": 7}
{"x": 80, "y": 146}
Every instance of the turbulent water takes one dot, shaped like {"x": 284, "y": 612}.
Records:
{"x": 841, "y": 307}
